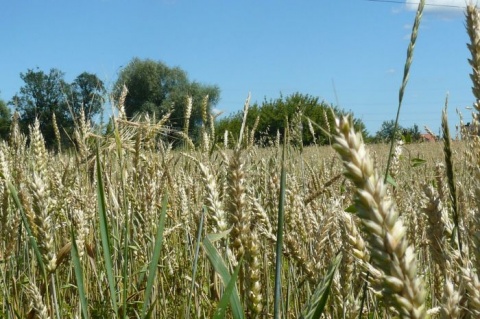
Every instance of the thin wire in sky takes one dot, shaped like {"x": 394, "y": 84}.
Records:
{"x": 407, "y": 2}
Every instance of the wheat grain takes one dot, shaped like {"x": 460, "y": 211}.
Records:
{"x": 390, "y": 250}
{"x": 188, "y": 113}
{"x": 254, "y": 271}
{"x": 36, "y": 301}
{"x": 450, "y": 302}
{"x": 473, "y": 28}
{"x": 238, "y": 212}
{"x": 43, "y": 221}
{"x": 436, "y": 237}
{"x": 472, "y": 286}
{"x": 121, "y": 102}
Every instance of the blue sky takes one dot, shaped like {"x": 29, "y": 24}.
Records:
{"x": 356, "y": 48}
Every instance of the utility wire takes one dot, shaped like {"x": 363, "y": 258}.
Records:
{"x": 410, "y": 2}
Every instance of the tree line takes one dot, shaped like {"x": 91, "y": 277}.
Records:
{"x": 153, "y": 88}
{"x": 49, "y": 98}
{"x": 157, "y": 89}
{"x": 308, "y": 119}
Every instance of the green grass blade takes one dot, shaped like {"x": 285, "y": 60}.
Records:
{"x": 33, "y": 242}
{"x": 218, "y": 236}
{"x": 152, "y": 270}
{"x": 279, "y": 244}
{"x": 150, "y": 311}
{"x": 406, "y": 75}
{"x": 104, "y": 235}
{"x": 418, "y": 162}
{"x": 390, "y": 180}
{"x": 125, "y": 277}
{"x": 195, "y": 261}
{"x": 221, "y": 268}
{"x": 314, "y": 309}
{"x": 227, "y": 294}
{"x": 79, "y": 277}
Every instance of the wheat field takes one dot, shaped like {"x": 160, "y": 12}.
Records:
{"x": 228, "y": 200}
{"x": 127, "y": 226}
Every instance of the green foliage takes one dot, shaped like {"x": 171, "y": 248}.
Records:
{"x": 155, "y": 88}
{"x": 386, "y": 132}
{"x": 41, "y": 97}
{"x": 409, "y": 135}
{"x": 418, "y": 162}
{"x": 79, "y": 276}
{"x": 412, "y": 134}
{"x": 5, "y": 120}
{"x": 227, "y": 295}
{"x": 26, "y": 224}
{"x": 221, "y": 268}
{"x": 46, "y": 94}
{"x": 157, "y": 249}
{"x": 314, "y": 308}
{"x": 105, "y": 235}
{"x": 298, "y": 109}
{"x": 87, "y": 93}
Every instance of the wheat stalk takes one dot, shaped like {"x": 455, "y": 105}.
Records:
{"x": 436, "y": 231}
{"x": 451, "y": 299}
{"x": 36, "y": 301}
{"x": 121, "y": 103}
{"x": 472, "y": 18}
{"x": 238, "y": 212}
{"x": 390, "y": 250}
{"x": 188, "y": 113}
{"x": 447, "y": 149}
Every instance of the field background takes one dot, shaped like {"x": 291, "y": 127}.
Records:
{"x": 124, "y": 225}
{"x": 230, "y": 191}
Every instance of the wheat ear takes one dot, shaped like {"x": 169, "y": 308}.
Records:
{"x": 451, "y": 299}
{"x": 436, "y": 230}
{"x": 447, "y": 150}
{"x": 237, "y": 211}
{"x": 56, "y": 131}
{"x": 36, "y": 301}
{"x": 390, "y": 250}
{"x": 472, "y": 18}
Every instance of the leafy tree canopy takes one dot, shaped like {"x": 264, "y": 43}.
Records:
{"x": 299, "y": 109}
{"x": 45, "y": 94}
{"x": 87, "y": 93}
{"x": 411, "y": 134}
{"x": 5, "y": 119}
{"x": 155, "y": 88}
{"x": 386, "y": 131}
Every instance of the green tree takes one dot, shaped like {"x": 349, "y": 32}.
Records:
{"x": 298, "y": 109}
{"x": 42, "y": 96}
{"x": 87, "y": 92}
{"x": 386, "y": 131}
{"x": 5, "y": 120}
{"x": 155, "y": 88}
{"x": 412, "y": 134}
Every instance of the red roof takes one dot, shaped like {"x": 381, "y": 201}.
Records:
{"x": 428, "y": 137}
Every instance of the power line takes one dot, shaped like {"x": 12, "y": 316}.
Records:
{"x": 408, "y": 2}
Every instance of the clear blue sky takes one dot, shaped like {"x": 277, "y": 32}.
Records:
{"x": 354, "y": 47}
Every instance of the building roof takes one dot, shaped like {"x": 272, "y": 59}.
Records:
{"x": 428, "y": 137}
